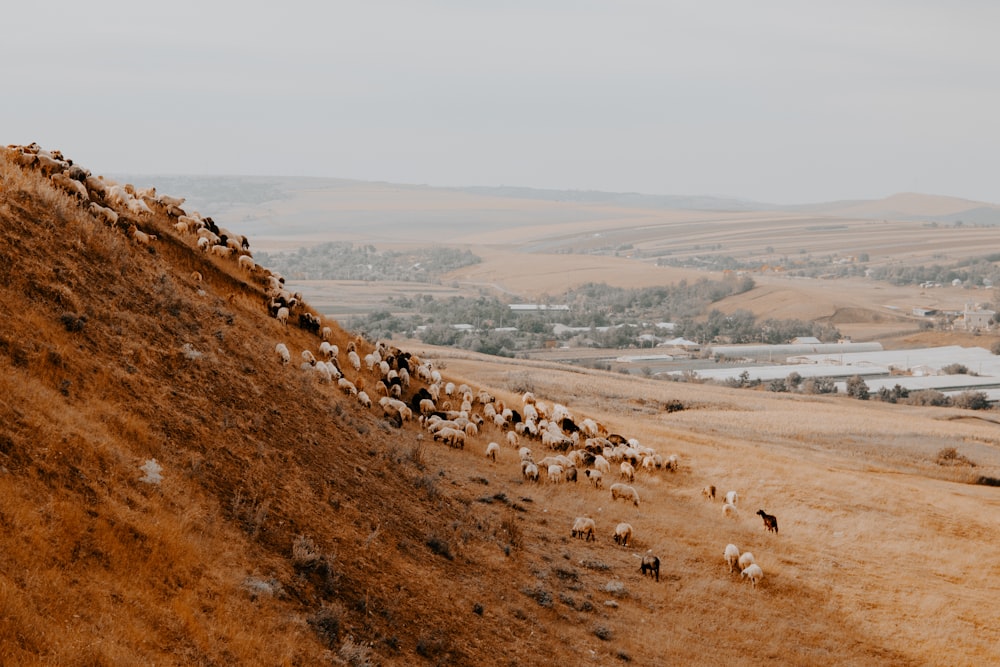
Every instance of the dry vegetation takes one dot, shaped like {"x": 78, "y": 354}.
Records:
{"x": 294, "y": 528}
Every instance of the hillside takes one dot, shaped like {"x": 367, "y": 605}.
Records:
{"x": 293, "y": 526}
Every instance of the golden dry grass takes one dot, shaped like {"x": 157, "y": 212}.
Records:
{"x": 422, "y": 554}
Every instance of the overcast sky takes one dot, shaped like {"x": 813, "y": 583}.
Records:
{"x": 783, "y": 102}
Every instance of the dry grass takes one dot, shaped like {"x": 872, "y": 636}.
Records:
{"x": 294, "y": 528}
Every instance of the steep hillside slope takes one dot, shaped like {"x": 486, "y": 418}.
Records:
{"x": 111, "y": 354}
{"x": 293, "y": 526}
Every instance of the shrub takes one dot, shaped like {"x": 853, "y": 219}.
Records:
{"x": 857, "y": 388}
{"x": 955, "y": 369}
{"x": 819, "y": 386}
{"x": 971, "y": 400}
{"x": 949, "y": 456}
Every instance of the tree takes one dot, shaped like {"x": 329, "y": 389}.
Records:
{"x": 856, "y": 388}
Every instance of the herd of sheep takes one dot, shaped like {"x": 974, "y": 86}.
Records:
{"x": 407, "y": 389}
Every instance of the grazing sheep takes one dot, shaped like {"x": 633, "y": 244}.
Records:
{"x": 596, "y": 477}
{"x": 623, "y": 534}
{"x": 625, "y": 492}
{"x": 492, "y": 450}
{"x": 354, "y": 360}
{"x": 451, "y": 436}
{"x": 139, "y": 236}
{"x": 512, "y": 439}
{"x": 246, "y": 263}
{"x": 753, "y": 573}
{"x": 673, "y": 463}
{"x": 650, "y": 565}
{"x": 729, "y": 510}
{"x": 530, "y": 471}
{"x": 347, "y": 387}
{"x": 709, "y": 492}
{"x": 770, "y": 521}
{"x": 571, "y": 474}
{"x": 627, "y": 471}
{"x": 363, "y": 398}
{"x": 525, "y": 454}
{"x": 284, "y": 356}
{"x": 326, "y": 333}
{"x": 732, "y": 498}
{"x": 282, "y": 315}
{"x": 555, "y": 473}
{"x": 732, "y": 556}
{"x": 602, "y": 464}
{"x": 746, "y": 560}
{"x": 584, "y": 527}
{"x": 308, "y": 357}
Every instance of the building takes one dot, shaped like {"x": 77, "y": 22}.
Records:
{"x": 977, "y": 319}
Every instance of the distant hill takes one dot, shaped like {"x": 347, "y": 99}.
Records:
{"x": 911, "y": 206}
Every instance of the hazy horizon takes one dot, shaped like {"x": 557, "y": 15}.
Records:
{"x": 773, "y": 102}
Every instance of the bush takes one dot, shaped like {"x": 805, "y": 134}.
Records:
{"x": 857, "y": 388}
{"x": 949, "y": 456}
{"x": 955, "y": 369}
{"x": 930, "y": 397}
{"x": 971, "y": 400}
{"x": 819, "y": 386}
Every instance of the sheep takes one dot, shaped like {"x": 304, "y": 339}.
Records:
{"x": 623, "y": 534}
{"x": 492, "y": 450}
{"x": 746, "y": 559}
{"x": 246, "y": 263}
{"x": 729, "y": 510}
{"x": 650, "y": 564}
{"x": 732, "y": 498}
{"x": 596, "y": 477}
{"x": 139, "y": 236}
{"x": 327, "y": 350}
{"x": 732, "y": 556}
{"x": 325, "y": 376}
{"x": 627, "y": 471}
{"x": 626, "y": 492}
{"x": 525, "y": 454}
{"x": 753, "y": 573}
{"x": 363, "y": 398}
{"x": 354, "y": 360}
{"x": 770, "y": 521}
{"x": 602, "y": 464}
{"x": 104, "y": 213}
{"x": 709, "y": 491}
{"x": 451, "y": 436}
{"x": 347, "y": 387}
{"x": 326, "y": 333}
{"x": 308, "y": 357}
{"x": 571, "y": 474}
{"x": 282, "y": 315}
{"x": 585, "y": 528}
{"x": 512, "y": 439}
{"x": 283, "y": 354}
{"x": 555, "y": 473}
{"x": 530, "y": 471}
{"x": 673, "y": 463}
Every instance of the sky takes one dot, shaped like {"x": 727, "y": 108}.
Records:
{"x": 782, "y": 102}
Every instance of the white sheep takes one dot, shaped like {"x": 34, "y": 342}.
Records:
{"x": 746, "y": 559}
{"x": 347, "y": 387}
{"x": 282, "y": 315}
{"x": 623, "y": 534}
{"x": 141, "y": 237}
{"x": 732, "y": 556}
{"x": 327, "y": 350}
{"x": 512, "y": 439}
{"x": 596, "y": 477}
{"x": 363, "y": 399}
{"x": 354, "y": 360}
{"x": 729, "y": 510}
{"x": 753, "y": 573}
{"x": 529, "y": 470}
{"x": 556, "y": 473}
{"x": 246, "y": 263}
{"x": 732, "y": 498}
{"x": 708, "y": 491}
{"x": 284, "y": 356}
{"x": 525, "y": 454}
{"x": 673, "y": 463}
{"x": 492, "y": 450}
{"x": 602, "y": 464}
{"x": 584, "y": 527}
{"x": 627, "y": 471}
{"x": 308, "y": 357}
{"x": 626, "y": 492}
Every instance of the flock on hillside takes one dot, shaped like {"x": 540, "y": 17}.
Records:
{"x": 407, "y": 389}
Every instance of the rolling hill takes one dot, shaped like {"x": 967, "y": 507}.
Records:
{"x": 289, "y": 525}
